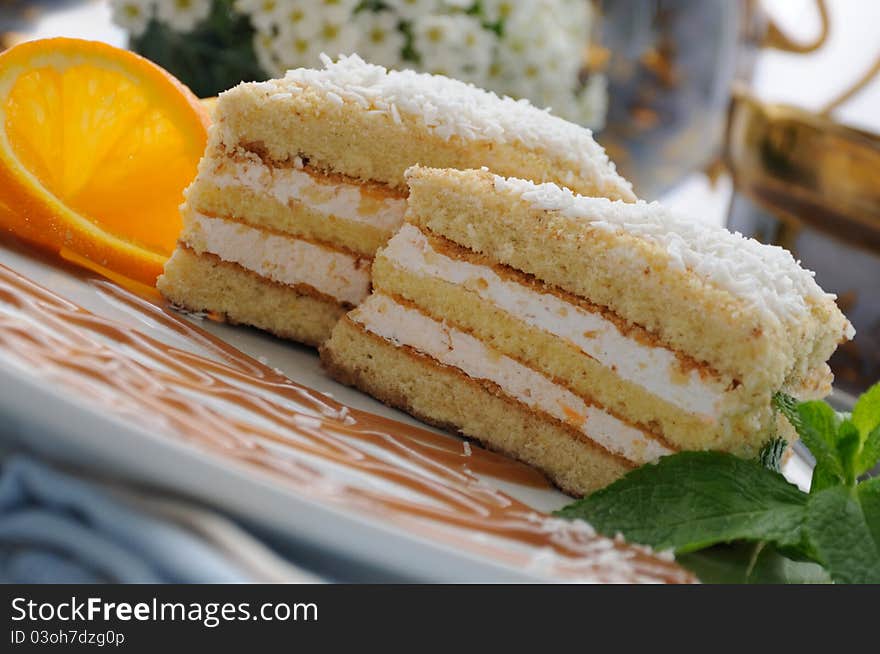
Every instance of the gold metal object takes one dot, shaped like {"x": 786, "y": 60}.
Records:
{"x": 806, "y": 168}
{"x": 857, "y": 87}
{"x": 777, "y": 39}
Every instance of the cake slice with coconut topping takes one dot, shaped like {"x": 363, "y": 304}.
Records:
{"x": 303, "y": 179}
{"x": 582, "y": 335}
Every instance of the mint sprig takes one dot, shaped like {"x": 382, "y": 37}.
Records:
{"x": 713, "y": 508}
{"x": 692, "y": 500}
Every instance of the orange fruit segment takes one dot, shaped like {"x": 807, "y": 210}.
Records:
{"x": 96, "y": 147}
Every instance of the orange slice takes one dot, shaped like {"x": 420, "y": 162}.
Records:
{"x": 96, "y": 147}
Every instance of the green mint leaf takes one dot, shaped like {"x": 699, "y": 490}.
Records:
{"x": 869, "y": 497}
{"x": 750, "y": 563}
{"x": 866, "y": 418}
{"x": 826, "y": 475}
{"x": 691, "y": 500}
{"x": 771, "y": 454}
{"x": 870, "y": 454}
{"x": 817, "y": 425}
{"x": 866, "y": 412}
{"x": 849, "y": 445}
{"x": 840, "y": 533}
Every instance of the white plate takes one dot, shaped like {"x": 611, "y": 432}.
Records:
{"x": 111, "y": 428}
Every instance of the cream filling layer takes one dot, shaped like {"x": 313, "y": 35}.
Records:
{"x": 656, "y": 369}
{"x": 347, "y": 201}
{"x": 403, "y": 325}
{"x": 284, "y": 259}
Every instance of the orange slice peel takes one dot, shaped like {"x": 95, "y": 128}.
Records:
{"x": 97, "y": 145}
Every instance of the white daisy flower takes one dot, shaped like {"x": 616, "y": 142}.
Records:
{"x": 294, "y": 51}
{"x": 562, "y": 60}
{"x": 477, "y": 45}
{"x": 133, "y": 15}
{"x": 495, "y": 10}
{"x": 381, "y": 41}
{"x": 265, "y": 49}
{"x": 412, "y": 9}
{"x": 263, "y": 13}
{"x": 297, "y": 19}
{"x": 457, "y": 46}
{"x": 517, "y": 37}
{"x": 530, "y": 41}
{"x": 336, "y": 38}
{"x": 260, "y": 6}
{"x": 578, "y": 19}
{"x": 183, "y": 15}
{"x": 495, "y": 74}
{"x": 459, "y": 5}
{"x": 436, "y": 40}
{"x": 522, "y": 78}
{"x": 335, "y": 11}
{"x": 473, "y": 34}
{"x": 538, "y": 25}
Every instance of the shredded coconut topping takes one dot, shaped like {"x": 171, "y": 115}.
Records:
{"x": 766, "y": 277}
{"x": 450, "y": 108}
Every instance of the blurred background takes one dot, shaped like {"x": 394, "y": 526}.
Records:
{"x": 759, "y": 114}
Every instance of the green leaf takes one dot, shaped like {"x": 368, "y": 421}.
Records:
{"x": 817, "y": 425}
{"x": 849, "y": 445}
{"x": 866, "y": 412}
{"x": 750, "y": 563}
{"x": 841, "y": 534}
{"x": 869, "y": 497}
{"x": 692, "y": 500}
{"x": 826, "y": 475}
{"x": 870, "y": 453}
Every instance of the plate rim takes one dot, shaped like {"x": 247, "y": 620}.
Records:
{"x": 361, "y": 539}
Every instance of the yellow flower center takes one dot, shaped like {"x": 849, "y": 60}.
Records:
{"x": 435, "y": 34}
